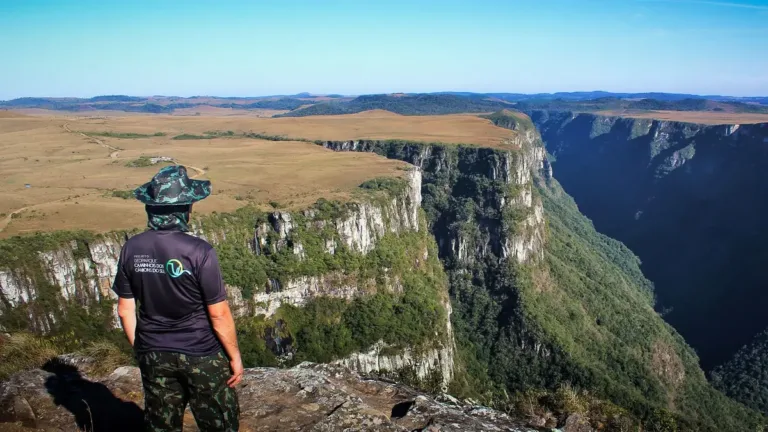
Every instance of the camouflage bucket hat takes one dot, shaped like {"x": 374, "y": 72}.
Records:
{"x": 172, "y": 186}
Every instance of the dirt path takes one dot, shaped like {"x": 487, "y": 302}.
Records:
{"x": 200, "y": 171}
{"x": 94, "y": 140}
{"x": 7, "y": 220}
{"x": 113, "y": 155}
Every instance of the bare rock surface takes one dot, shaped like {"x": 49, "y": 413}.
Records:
{"x": 310, "y": 397}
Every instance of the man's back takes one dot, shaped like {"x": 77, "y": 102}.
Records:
{"x": 173, "y": 308}
{"x": 172, "y": 276}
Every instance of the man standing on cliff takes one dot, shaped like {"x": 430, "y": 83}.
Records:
{"x": 183, "y": 319}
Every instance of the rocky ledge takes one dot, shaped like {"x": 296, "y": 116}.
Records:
{"x": 65, "y": 396}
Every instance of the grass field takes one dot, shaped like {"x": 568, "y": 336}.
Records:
{"x": 701, "y": 117}
{"x": 459, "y": 128}
{"x": 78, "y": 166}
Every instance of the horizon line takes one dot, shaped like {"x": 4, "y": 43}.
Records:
{"x": 311, "y": 94}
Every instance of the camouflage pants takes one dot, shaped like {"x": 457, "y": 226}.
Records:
{"x": 171, "y": 380}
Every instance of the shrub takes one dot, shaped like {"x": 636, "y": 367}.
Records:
{"x": 395, "y": 186}
{"x": 191, "y": 137}
{"x": 141, "y": 162}
{"x": 123, "y": 135}
{"x": 109, "y": 356}
{"x": 24, "y": 351}
{"x": 124, "y": 194}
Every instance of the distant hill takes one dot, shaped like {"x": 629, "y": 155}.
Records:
{"x": 306, "y": 104}
{"x": 155, "y": 104}
{"x": 613, "y": 103}
{"x": 421, "y": 104}
{"x": 591, "y": 95}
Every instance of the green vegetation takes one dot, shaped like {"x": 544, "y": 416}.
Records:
{"x": 272, "y": 137}
{"x": 276, "y": 260}
{"x": 591, "y": 299}
{"x": 124, "y": 135}
{"x": 403, "y": 306}
{"x": 510, "y": 120}
{"x": 615, "y": 103}
{"x": 72, "y": 325}
{"x": 743, "y": 377}
{"x": 110, "y": 356}
{"x": 583, "y": 315}
{"x": 566, "y": 400}
{"x": 327, "y": 329}
{"x": 233, "y": 134}
{"x": 393, "y": 186}
{"x": 141, "y": 162}
{"x": 420, "y": 104}
{"x": 124, "y": 194}
{"x": 23, "y": 351}
{"x": 228, "y": 133}
{"x": 277, "y": 104}
{"x": 192, "y": 137}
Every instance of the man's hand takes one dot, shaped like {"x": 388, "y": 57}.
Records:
{"x": 224, "y": 327}
{"x": 236, "y": 366}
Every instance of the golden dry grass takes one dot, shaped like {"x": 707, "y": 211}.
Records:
{"x": 467, "y": 129}
{"x": 72, "y": 176}
{"x": 10, "y": 114}
{"x": 701, "y": 117}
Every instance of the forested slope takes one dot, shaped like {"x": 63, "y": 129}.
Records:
{"x": 542, "y": 300}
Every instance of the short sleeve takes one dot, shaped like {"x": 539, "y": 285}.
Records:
{"x": 209, "y": 277}
{"x": 122, "y": 283}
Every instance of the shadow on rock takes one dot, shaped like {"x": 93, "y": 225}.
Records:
{"x": 94, "y": 406}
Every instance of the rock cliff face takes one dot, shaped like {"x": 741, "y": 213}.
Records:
{"x": 686, "y": 199}
{"x": 40, "y": 287}
{"x": 486, "y": 216}
{"x": 537, "y": 293}
{"x": 444, "y": 165}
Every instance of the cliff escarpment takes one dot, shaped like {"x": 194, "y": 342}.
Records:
{"x": 476, "y": 270}
{"x": 356, "y": 282}
{"x": 540, "y": 298}
{"x": 686, "y": 198}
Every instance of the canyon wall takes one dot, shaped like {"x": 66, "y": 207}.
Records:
{"x": 539, "y": 297}
{"x": 687, "y": 199}
{"x": 270, "y": 261}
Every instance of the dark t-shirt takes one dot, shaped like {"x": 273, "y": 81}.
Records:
{"x": 173, "y": 276}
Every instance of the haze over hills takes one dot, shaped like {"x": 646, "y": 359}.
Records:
{"x": 305, "y": 104}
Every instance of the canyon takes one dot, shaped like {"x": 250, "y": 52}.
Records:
{"x": 469, "y": 270}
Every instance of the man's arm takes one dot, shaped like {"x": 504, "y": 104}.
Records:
{"x": 126, "y": 310}
{"x": 126, "y": 304}
{"x": 224, "y": 327}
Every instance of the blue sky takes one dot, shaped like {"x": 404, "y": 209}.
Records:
{"x": 248, "y": 48}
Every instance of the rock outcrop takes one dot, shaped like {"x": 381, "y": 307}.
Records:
{"x": 309, "y": 397}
